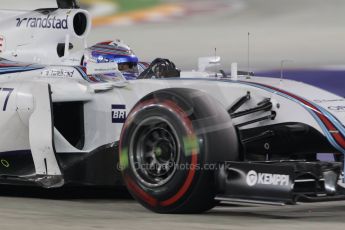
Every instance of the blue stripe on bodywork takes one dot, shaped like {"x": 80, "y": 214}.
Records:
{"x": 333, "y": 120}
{"x": 327, "y": 114}
{"x": 18, "y": 69}
{"x": 83, "y": 74}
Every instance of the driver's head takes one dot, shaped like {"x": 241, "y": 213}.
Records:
{"x": 115, "y": 51}
{"x": 126, "y": 66}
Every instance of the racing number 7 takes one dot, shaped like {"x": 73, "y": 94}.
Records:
{"x": 9, "y": 92}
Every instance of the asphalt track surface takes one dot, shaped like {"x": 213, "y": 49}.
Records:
{"x": 310, "y": 32}
{"x": 84, "y": 209}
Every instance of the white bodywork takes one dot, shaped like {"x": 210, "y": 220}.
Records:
{"x": 26, "y": 122}
{"x": 24, "y": 35}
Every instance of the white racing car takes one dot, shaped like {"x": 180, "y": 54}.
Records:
{"x": 180, "y": 145}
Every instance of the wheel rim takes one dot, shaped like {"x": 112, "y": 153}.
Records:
{"x": 154, "y": 151}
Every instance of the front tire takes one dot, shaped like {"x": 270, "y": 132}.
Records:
{"x": 170, "y": 146}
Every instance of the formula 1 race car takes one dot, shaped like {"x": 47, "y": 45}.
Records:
{"x": 180, "y": 145}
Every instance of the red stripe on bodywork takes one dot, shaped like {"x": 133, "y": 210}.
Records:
{"x": 11, "y": 65}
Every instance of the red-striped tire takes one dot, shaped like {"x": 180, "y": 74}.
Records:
{"x": 170, "y": 145}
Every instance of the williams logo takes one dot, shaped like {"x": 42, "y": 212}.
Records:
{"x": 43, "y": 22}
{"x": 57, "y": 73}
{"x": 254, "y": 178}
{"x": 118, "y": 113}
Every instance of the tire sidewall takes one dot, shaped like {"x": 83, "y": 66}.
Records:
{"x": 200, "y": 124}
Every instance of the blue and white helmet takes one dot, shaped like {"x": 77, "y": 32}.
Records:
{"x": 115, "y": 51}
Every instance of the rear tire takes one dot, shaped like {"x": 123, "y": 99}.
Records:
{"x": 171, "y": 144}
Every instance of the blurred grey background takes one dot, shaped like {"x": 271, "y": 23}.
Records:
{"x": 309, "y": 32}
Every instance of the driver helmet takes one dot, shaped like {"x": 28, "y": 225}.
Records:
{"x": 115, "y": 51}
